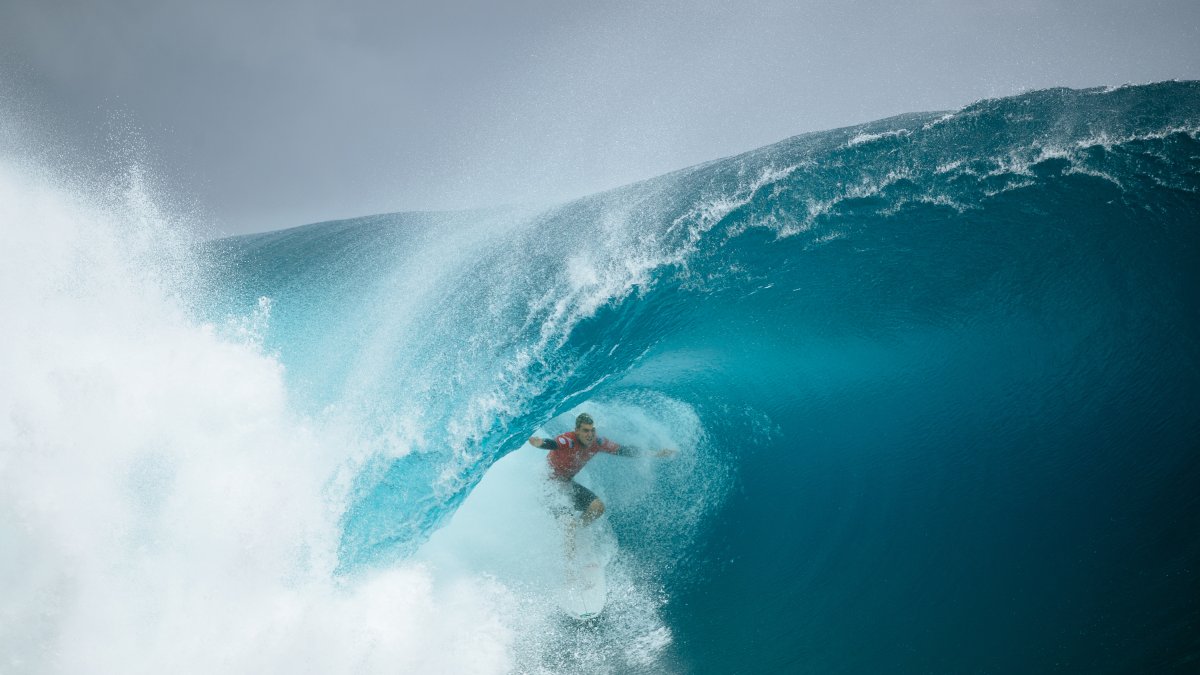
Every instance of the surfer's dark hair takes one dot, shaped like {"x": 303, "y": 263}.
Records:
{"x": 583, "y": 419}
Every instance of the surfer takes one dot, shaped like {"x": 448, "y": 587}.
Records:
{"x": 570, "y": 451}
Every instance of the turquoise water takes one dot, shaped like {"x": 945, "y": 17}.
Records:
{"x": 933, "y": 381}
{"x": 944, "y": 369}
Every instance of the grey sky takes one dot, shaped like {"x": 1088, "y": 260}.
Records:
{"x": 283, "y": 113}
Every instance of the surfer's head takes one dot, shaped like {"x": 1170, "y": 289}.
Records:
{"x": 585, "y": 429}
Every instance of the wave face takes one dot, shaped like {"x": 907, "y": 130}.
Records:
{"x": 933, "y": 381}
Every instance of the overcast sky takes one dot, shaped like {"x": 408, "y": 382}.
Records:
{"x": 273, "y": 114}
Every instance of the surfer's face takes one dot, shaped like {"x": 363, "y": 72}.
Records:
{"x": 586, "y": 433}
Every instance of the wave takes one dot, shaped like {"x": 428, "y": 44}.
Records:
{"x": 944, "y": 362}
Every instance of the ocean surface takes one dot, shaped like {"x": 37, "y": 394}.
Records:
{"x": 934, "y": 384}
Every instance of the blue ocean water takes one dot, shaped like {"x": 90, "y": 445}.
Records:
{"x": 933, "y": 382}
{"x": 939, "y": 376}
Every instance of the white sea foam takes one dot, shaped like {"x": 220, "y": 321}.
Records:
{"x": 948, "y": 166}
{"x": 869, "y": 138}
{"x": 944, "y": 118}
{"x": 1106, "y": 141}
{"x": 162, "y": 507}
{"x": 708, "y": 212}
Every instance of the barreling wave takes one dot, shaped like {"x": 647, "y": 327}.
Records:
{"x": 484, "y": 325}
{"x": 946, "y": 362}
{"x": 1006, "y": 256}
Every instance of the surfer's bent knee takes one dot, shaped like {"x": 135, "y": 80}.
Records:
{"x": 594, "y": 511}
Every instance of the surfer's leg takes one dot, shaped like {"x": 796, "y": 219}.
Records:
{"x": 586, "y": 502}
{"x": 594, "y": 511}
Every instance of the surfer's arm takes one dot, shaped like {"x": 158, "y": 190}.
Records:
{"x": 543, "y": 443}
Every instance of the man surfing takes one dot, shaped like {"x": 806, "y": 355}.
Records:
{"x": 570, "y": 451}
{"x": 585, "y": 590}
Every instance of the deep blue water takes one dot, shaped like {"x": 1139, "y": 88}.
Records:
{"x": 934, "y": 381}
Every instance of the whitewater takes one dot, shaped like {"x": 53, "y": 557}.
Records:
{"x": 932, "y": 380}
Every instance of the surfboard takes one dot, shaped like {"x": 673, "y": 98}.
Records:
{"x": 585, "y": 587}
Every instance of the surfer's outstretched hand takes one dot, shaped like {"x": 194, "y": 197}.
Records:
{"x": 535, "y": 441}
{"x": 665, "y": 452}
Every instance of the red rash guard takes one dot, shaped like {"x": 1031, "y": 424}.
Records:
{"x": 569, "y": 457}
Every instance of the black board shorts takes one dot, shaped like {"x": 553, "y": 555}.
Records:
{"x": 579, "y": 496}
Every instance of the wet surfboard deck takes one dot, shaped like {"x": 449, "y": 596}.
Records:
{"x": 585, "y": 587}
{"x": 585, "y": 591}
